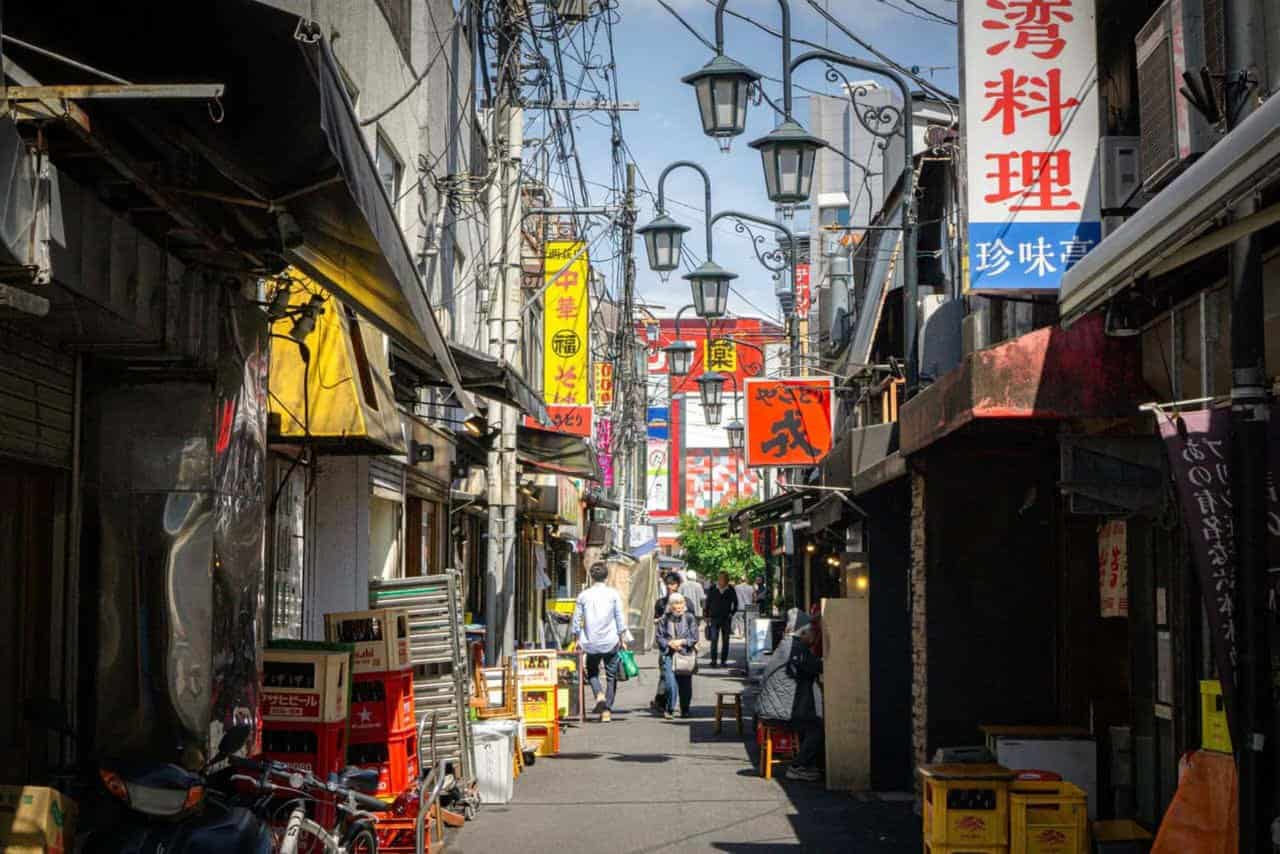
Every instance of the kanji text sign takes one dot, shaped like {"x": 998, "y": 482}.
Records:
{"x": 804, "y": 297}
{"x": 604, "y": 383}
{"x": 565, "y": 325}
{"x": 788, "y": 421}
{"x": 1031, "y": 135}
{"x": 720, "y": 354}
{"x": 575, "y": 420}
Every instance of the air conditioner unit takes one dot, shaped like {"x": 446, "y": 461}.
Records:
{"x": 1179, "y": 38}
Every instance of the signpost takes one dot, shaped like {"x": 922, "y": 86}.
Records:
{"x": 788, "y": 421}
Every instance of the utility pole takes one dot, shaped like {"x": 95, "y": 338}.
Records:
{"x": 632, "y": 386}
{"x": 503, "y": 202}
{"x": 1245, "y": 27}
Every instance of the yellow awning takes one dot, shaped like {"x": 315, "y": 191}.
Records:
{"x": 348, "y": 405}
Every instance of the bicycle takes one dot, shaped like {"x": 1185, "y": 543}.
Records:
{"x": 340, "y": 800}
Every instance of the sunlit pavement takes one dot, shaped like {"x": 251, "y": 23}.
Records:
{"x": 642, "y": 784}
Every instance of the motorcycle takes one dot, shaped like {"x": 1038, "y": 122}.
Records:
{"x": 148, "y": 807}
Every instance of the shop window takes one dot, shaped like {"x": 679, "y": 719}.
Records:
{"x": 384, "y": 538}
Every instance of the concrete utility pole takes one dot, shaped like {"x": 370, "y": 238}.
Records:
{"x": 505, "y": 325}
{"x": 632, "y": 386}
{"x": 1245, "y": 27}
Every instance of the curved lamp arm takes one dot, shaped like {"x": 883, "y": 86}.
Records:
{"x": 680, "y": 314}
{"x": 786, "y": 49}
{"x": 706, "y": 207}
{"x": 791, "y": 238}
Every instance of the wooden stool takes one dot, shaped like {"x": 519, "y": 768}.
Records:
{"x": 766, "y": 733}
{"x": 729, "y": 701}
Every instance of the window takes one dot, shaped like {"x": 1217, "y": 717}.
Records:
{"x": 288, "y": 551}
{"x": 390, "y": 169}
{"x": 399, "y": 17}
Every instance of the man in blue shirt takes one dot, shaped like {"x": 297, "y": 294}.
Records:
{"x": 600, "y": 629}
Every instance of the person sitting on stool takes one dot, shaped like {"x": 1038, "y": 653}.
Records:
{"x": 788, "y": 697}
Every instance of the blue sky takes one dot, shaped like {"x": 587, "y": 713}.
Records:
{"x": 654, "y": 51}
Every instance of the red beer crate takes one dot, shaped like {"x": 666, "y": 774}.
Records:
{"x": 395, "y": 759}
{"x": 381, "y": 705}
{"x": 318, "y": 748}
{"x": 380, "y": 638}
{"x": 305, "y": 685}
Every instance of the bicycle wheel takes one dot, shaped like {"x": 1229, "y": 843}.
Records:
{"x": 363, "y": 841}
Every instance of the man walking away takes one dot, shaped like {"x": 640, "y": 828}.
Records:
{"x": 746, "y": 598}
{"x": 722, "y": 604}
{"x": 600, "y": 629}
{"x": 787, "y": 697}
{"x": 695, "y": 597}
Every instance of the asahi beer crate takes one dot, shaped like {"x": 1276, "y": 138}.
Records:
{"x": 305, "y": 685}
{"x": 380, "y": 638}
{"x": 36, "y": 819}
{"x": 536, "y": 667}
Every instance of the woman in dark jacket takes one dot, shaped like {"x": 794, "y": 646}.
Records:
{"x": 677, "y": 633}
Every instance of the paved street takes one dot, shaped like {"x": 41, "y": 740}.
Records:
{"x": 643, "y": 784}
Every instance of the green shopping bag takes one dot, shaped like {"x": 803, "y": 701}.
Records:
{"x": 627, "y": 667}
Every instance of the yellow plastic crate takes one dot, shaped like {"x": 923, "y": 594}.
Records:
{"x": 538, "y": 705}
{"x": 965, "y": 849}
{"x": 1214, "y": 732}
{"x": 966, "y": 807}
{"x": 1048, "y": 818}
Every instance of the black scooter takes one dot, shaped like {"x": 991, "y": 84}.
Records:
{"x": 157, "y": 808}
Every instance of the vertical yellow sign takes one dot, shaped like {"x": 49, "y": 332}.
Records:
{"x": 721, "y": 354}
{"x": 566, "y": 324}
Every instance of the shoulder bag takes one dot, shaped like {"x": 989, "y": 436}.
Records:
{"x": 685, "y": 663}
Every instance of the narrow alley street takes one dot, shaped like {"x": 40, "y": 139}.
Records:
{"x": 644, "y": 784}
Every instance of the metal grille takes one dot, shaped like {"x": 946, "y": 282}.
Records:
{"x": 437, "y": 649}
{"x": 1155, "y": 97}
{"x": 37, "y": 384}
{"x": 1215, "y": 46}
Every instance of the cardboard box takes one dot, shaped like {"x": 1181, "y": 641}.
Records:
{"x": 36, "y": 820}
{"x": 380, "y": 638}
{"x": 306, "y": 686}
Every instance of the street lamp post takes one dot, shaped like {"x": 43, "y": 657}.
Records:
{"x": 788, "y": 152}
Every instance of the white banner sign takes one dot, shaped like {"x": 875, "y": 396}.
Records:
{"x": 658, "y": 477}
{"x": 1031, "y": 136}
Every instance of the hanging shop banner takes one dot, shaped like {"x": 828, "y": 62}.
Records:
{"x": 575, "y": 420}
{"x": 658, "y": 422}
{"x": 804, "y": 297}
{"x": 788, "y": 421}
{"x": 604, "y": 451}
{"x": 1113, "y": 567}
{"x": 565, "y": 324}
{"x": 658, "y": 477}
{"x": 1031, "y": 131}
{"x": 720, "y": 354}
{"x": 603, "y": 372}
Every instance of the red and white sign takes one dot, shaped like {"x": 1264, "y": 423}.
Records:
{"x": 1113, "y": 568}
{"x": 804, "y": 297}
{"x": 788, "y": 421}
{"x": 574, "y": 420}
{"x": 290, "y": 705}
{"x": 1031, "y": 140}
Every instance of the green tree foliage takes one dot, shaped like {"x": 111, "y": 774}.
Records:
{"x": 708, "y": 552}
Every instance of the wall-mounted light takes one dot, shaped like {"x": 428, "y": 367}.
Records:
{"x": 810, "y": 548}
{"x": 476, "y": 425}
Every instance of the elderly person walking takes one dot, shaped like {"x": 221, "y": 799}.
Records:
{"x": 678, "y": 643}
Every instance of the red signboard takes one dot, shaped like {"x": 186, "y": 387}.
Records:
{"x": 575, "y": 420}
{"x": 788, "y": 421}
{"x": 804, "y": 297}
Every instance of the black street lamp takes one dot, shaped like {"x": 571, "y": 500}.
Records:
{"x": 788, "y": 154}
{"x": 663, "y": 243}
{"x": 721, "y": 86}
{"x": 712, "y": 414}
{"x": 679, "y": 357}
{"x": 736, "y": 432}
{"x": 710, "y": 285}
{"x": 711, "y": 389}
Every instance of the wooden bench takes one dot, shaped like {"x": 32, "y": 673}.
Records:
{"x": 729, "y": 701}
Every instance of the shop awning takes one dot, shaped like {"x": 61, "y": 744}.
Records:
{"x": 857, "y": 449}
{"x": 1049, "y": 374}
{"x": 1156, "y": 239}
{"x": 278, "y": 171}
{"x": 341, "y": 399}
{"x": 773, "y": 511}
{"x": 555, "y": 452}
{"x": 488, "y": 377}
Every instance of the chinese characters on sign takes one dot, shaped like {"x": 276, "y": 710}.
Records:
{"x": 1031, "y": 118}
{"x": 804, "y": 297}
{"x": 788, "y": 421}
{"x": 1113, "y": 568}
{"x": 604, "y": 451}
{"x": 604, "y": 384}
{"x": 720, "y": 354}
{"x": 565, "y": 325}
{"x": 575, "y": 420}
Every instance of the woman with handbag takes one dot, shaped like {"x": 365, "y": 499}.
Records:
{"x": 678, "y": 643}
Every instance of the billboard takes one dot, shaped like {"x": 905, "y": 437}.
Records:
{"x": 715, "y": 478}
{"x": 1031, "y": 134}
{"x": 658, "y": 477}
{"x": 566, "y": 318}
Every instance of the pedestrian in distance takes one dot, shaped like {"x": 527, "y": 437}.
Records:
{"x": 722, "y": 604}
{"x": 601, "y": 631}
{"x": 694, "y": 597}
{"x": 746, "y": 600}
{"x": 672, "y": 582}
{"x": 678, "y": 643}
{"x": 790, "y": 697}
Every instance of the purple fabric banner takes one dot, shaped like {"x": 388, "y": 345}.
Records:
{"x": 604, "y": 450}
